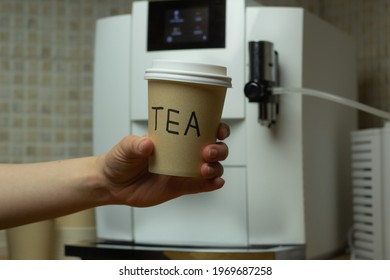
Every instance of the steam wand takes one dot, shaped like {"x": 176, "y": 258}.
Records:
{"x": 263, "y": 86}
{"x": 263, "y": 72}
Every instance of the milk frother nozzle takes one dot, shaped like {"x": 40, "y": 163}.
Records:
{"x": 263, "y": 76}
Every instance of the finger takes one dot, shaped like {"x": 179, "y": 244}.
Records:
{"x": 213, "y": 184}
{"x": 195, "y": 185}
{"x": 206, "y": 185}
{"x": 215, "y": 152}
{"x": 217, "y": 183}
{"x": 210, "y": 171}
{"x": 223, "y": 131}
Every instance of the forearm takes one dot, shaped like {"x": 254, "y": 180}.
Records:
{"x": 32, "y": 192}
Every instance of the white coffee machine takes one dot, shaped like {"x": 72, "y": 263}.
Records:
{"x": 287, "y": 184}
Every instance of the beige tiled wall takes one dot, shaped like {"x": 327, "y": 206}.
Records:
{"x": 46, "y": 62}
{"x": 369, "y": 24}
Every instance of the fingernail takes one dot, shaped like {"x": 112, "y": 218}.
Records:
{"x": 213, "y": 153}
{"x": 225, "y": 132}
{"x": 210, "y": 170}
{"x": 141, "y": 145}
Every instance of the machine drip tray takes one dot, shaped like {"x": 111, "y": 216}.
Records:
{"x": 107, "y": 250}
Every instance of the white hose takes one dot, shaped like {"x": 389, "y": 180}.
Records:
{"x": 333, "y": 98}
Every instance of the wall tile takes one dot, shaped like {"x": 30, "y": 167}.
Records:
{"x": 46, "y": 64}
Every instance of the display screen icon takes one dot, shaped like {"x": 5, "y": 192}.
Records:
{"x": 187, "y": 25}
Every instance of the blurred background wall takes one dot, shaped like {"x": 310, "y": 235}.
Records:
{"x": 46, "y": 63}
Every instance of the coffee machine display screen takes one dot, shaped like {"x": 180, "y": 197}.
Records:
{"x": 186, "y": 24}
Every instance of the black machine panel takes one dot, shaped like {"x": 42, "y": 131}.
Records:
{"x": 190, "y": 24}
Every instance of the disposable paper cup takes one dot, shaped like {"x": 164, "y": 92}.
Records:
{"x": 185, "y": 103}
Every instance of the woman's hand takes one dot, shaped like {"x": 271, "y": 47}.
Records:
{"x": 125, "y": 171}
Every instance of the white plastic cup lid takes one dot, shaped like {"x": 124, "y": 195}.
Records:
{"x": 182, "y": 71}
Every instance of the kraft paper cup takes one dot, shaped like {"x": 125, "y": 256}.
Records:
{"x": 185, "y": 103}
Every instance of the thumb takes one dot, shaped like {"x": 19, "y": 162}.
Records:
{"x": 135, "y": 146}
{"x": 145, "y": 146}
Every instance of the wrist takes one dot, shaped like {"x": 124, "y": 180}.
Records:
{"x": 98, "y": 183}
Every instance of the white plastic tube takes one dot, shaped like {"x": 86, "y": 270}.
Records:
{"x": 333, "y": 98}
